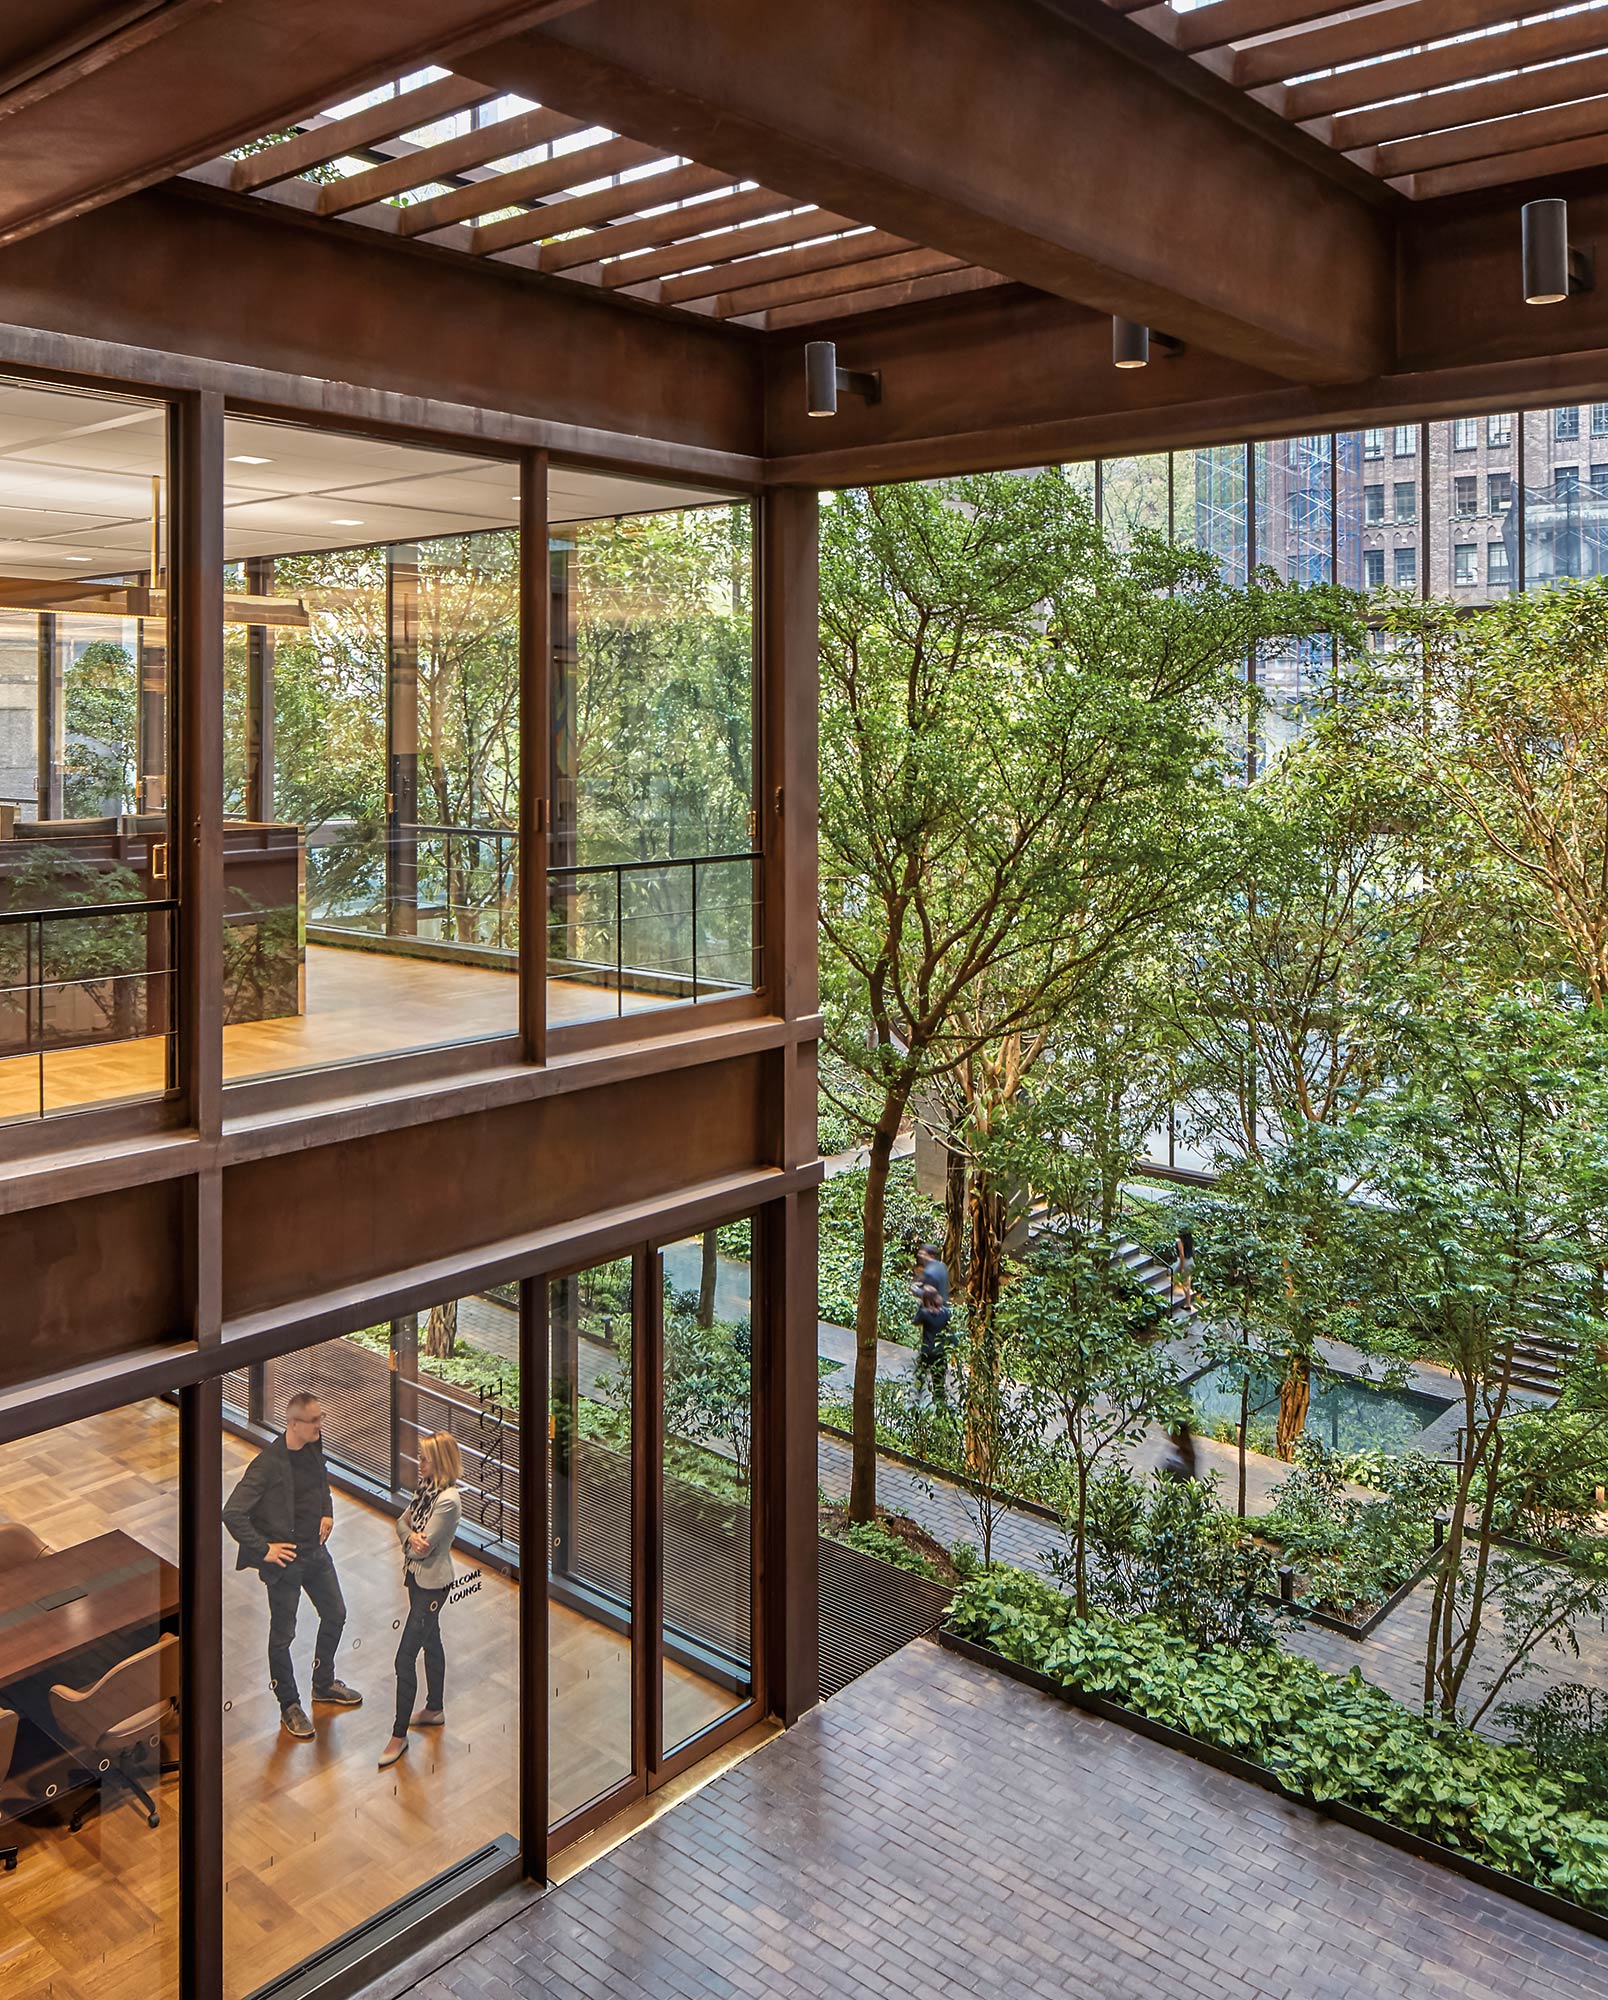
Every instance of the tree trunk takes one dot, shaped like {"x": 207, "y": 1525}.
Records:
{"x": 441, "y": 1331}
{"x": 1244, "y": 1425}
{"x": 873, "y": 1249}
{"x": 955, "y": 1219}
{"x": 1295, "y": 1399}
{"x": 708, "y": 1272}
{"x": 1081, "y": 1553}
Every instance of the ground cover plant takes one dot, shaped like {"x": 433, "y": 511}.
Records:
{"x": 1325, "y": 1738}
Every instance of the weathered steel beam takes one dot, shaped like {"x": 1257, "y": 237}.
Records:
{"x": 1101, "y": 181}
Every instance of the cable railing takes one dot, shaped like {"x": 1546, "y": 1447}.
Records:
{"x": 69, "y": 995}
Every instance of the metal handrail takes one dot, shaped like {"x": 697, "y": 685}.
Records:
{"x": 58, "y": 913}
{"x": 636, "y": 867}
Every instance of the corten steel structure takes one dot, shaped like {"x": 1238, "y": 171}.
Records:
{"x": 592, "y": 236}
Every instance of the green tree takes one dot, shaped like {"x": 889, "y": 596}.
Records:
{"x": 1020, "y": 750}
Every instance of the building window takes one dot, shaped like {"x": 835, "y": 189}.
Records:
{"x": 1406, "y": 440}
{"x": 1465, "y": 496}
{"x": 1465, "y": 564}
{"x": 1498, "y": 492}
{"x": 89, "y": 1002}
{"x": 1566, "y": 422}
{"x": 1599, "y": 479}
{"x": 1373, "y": 569}
{"x": 1373, "y": 505}
{"x": 1565, "y": 481}
{"x": 1499, "y": 432}
{"x": 1465, "y": 433}
{"x": 1497, "y": 572}
{"x": 1599, "y": 420}
{"x": 375, "y": 1417}
{"x": 1406, "y": 568}
{"x": 1373, "y": 444}
{"x": 1406, "y": 499}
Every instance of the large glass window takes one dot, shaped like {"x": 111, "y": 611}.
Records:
{"x": 87, "y": 933}
{"x": 371, "y": 1611}
{"x": 1564, "y": 519}
{"x": 90, "y": 1734}
{"x": 371, "y": 753}
{"x": 1295, "y": 535}
{"x": 708, "y": 1495}
{"x": 1135, "y": 496}
{"x": 592, "y": 1580}
{"x": 1211, "y": 505}
{"x": 653, "y": 882}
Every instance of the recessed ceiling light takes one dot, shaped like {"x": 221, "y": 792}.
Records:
{"x": 245, "y": 458}
{"x": 345, "y": 524}
{"x": 77, "y": 558}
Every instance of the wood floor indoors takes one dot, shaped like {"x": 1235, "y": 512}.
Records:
{"x": 359, "y": 1004}
{"x": 317, "y": 1838}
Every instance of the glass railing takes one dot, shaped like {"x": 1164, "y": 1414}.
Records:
{"x": 87, "y": 1011}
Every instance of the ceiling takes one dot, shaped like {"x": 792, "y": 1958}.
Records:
{"x": 443, "y": 160}
{"x": 76, "y": 473}
{"x": 1433, "y": 97}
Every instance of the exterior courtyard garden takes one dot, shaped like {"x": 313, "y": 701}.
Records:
{"x": 1339, "y": 1512}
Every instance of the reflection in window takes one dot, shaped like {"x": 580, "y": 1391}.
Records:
{"x": 1211, "y": 508}
{"x": 371, "y": 749}
{"x": 591, "y": 1583}
{"x": 653, "y": 883}
{"x": 1134, "y": 496}
{"x": 369, "y": 1589}
{"x": 90, "y": 1737}
{"x": 87, "y": 1001}
{"x": 708, "y": 1494}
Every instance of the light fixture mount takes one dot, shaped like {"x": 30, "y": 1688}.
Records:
{"x": 1132, "y": 340}
{"x": 825, "y": 381}
{"x": 1554, "y": 268}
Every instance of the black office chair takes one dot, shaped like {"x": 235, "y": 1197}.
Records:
{"x": 120, "y": 1725}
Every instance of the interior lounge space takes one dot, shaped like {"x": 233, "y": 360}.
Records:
{"x": 609, "y": 1413}
{"x": 372, "y": 691}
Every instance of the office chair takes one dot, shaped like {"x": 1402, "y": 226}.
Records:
{"x": 122, "y": 1722}
{"x": 19, "y": 1545}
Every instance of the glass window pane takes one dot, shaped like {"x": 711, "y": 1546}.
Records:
{"x": 371, "y": 754}
{"x": 650, "y": 893}
{"x": 90, "y": 1738}
{"x": 1211, "y": 505}
{"x": 1135, "y": 495}
{"x": 1565, "y": 514}
{"x": 590, "y": 1581}
{"x": 707, "y": 1550}
{"x": 370, "y": 1598}
{"x": 86, "y": 1002}
{"x": 1295, "y": 535}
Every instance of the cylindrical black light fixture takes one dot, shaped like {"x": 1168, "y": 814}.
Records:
{"x": 821, "y": 377}
{"x": 1544, "y": 237}
{"x": 1130, "y": 344}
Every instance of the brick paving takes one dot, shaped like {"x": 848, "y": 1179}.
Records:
{"x": 938, "y": 1830}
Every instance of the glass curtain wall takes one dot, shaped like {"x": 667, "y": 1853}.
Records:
{"x": 87, "y": 938}
{"x": 370, "y": 1601}
{"x": 653, "y": 882}
{"x": 90, "y": 1733}
{"x": 371, "y": 749}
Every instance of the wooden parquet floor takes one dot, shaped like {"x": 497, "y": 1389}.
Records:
{"x": 360, "y": 1004}
{"x": 317, "y": 1839}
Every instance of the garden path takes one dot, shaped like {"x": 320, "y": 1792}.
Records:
{"x": 938, "y": 1829}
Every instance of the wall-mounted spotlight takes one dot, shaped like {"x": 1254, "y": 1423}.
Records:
{"x": 1553, "y": 267}
{"x": 1131, "y": 343}
{"x": 824, "y": 380}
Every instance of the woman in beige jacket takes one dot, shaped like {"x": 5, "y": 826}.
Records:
{"x": 426, "y": 1530}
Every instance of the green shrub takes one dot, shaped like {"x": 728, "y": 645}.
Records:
{"x": 1327, "y": 1739}
{"x": 872, "y": 1539}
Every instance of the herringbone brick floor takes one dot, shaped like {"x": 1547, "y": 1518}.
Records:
{"x": 939, "y": 1830}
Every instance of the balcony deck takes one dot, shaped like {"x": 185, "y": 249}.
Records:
{"x": 359, "y": 1004}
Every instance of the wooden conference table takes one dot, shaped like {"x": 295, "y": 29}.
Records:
{"x": 68, "y": 1602}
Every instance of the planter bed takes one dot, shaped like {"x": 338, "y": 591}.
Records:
{"x": 1537, "y": 1898}
{"x": 1361, "y": 1628}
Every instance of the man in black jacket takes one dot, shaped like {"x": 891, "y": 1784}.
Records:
{"x": 281, "y": 1514}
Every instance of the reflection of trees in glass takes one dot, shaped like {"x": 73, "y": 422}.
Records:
{"x": 663, "y": 704}
{"x": 101, "y": 699}
{"x": 1134, "y": 495}
{"x": 330, "y": 719}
